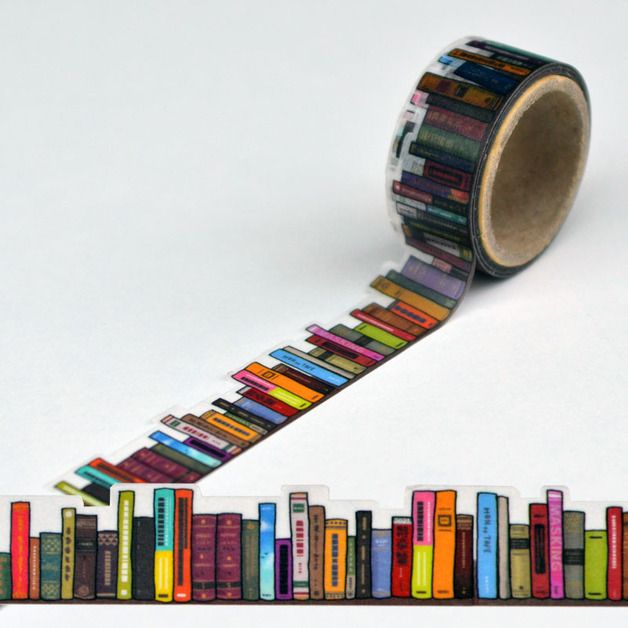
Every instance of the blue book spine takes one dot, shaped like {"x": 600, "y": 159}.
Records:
{"x": 487, "y": 546}
{"x": 182, "y": 448}
{"x": 308, "y": 367}
{"x": 267, "y": 517}
{"x": 381, "y": 563}
{"x": 261, "y": 411}
{"x": 486, "y": 77}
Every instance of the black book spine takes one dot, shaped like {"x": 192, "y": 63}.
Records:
{"x": 364, "y": 525}
{"x": 143, "y": 558}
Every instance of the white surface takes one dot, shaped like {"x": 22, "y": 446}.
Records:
{"x": 186, "y": 184}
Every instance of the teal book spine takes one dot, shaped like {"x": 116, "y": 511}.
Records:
{"x": 50, "y": 567}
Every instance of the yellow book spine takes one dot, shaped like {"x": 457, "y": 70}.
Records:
{"x": 126, "y": 504}
{"x": 164, "y": 575}
{"x": 68, "y": 518}
{"x": 422, "y": 560}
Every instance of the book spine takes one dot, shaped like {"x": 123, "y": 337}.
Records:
{"x": 350, "y": 581}
{"x": 5, "y": 576}
{"x": 444, "y": 545}
{"x": 299, "y": 529}
{"x": 595, "y": 564}
{"x": 19, "y": 549}
{"x": 539, "y": 550}
{"x": 573, "y": 554}
{"x": 463, "y": 568}
{"x": 33, "y": 568}
{"x": 555, "y": 520}
{"x": 203, "y": 558}
{"x": 487, "y": 545}
{"x": 163, "y": 508}
{"x": 85, "y": 557}
{"x": 267, "y": 522}
{"x": 401, "y": 571}
{"x": 520, "y": 580}
{"x": 459, "y": 90}
{"x": 250, "y": 559}
{"x": 614, "y": 531}
{"x": 126, "y": 505}
{"x": 50, "y": 569}
{"x": 381, "y": 563}
{"x": 503, "y": 546}
{"x": 143, "y": 558}
{"x": 228, "y": 557}
{"x": 625, "y": 556}
{"x": 107, "y": 564}
{"x": 363, "y": 553}
{"x": 317, "y": 551}
{"x": 283, "y": 569}
{"x": 183, "y": 545}
{"x": 68, "y": 526}
{"x": 336, "y": 558}
{"x": 423, "y": 504}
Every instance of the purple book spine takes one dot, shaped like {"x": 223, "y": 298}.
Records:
{"x": 229, "y": 557}
{"x": 206, "y": 448}
{"x": 144, "y": 472}
{"x": 159, "y": 463}
{"x": 203, "y": 557}
{"x": 283, "y": 569}
{"x": 433, "y": 278}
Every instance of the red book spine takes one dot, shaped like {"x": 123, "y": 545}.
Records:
{"x": 614, "y": 525}
{"x": 229, "y": 557}
{"x": 20, "y": 542}
{"x": 33, "y": 560}
{"x": 401, "y": 572}
{"x": 539, "y": 550}
{"x": 183, "y": 545}
{"x": 203, "y": 557}
{"x": 268, "y": 401}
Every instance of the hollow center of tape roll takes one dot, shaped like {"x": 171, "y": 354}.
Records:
{"x": 533, "y": 170}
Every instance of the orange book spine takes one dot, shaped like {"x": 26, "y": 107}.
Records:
{"x": 20, "y": 549}
{"x": 183, "y": 545}
{"x": 444, "y": 544}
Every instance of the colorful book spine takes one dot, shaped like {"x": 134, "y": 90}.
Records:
{"x": 595, "y": 564}
{"x": 299, "y": 528}
{"x": 126, "y": 507}
{"x": 614, "y": 531}
{"x": 503, "y": 546}
{"x": 539, "y": 550}
{"x": 50, "y": 570}
{"x": 555, "y": 519}
{"x": 68, "y": 526}
{"x": 5, "y": 575}
{"x": 350, "y": 580}
{"x": 487, "y": 545}
{"x": 34, "y": 559}
{"x": 267, "y": 523}
{"x": 250, "y": 560}
{"x": 520, "y": 578}
{"x": 163, "y": 505}
{"x": 85, "y": 557}
{"x": 401, "y": 570}
{"x": 228, "y": 557}
{"x": 463, "y": 568}
{"x": 203, "y": 557}
{"x": 573, "y": 554}
{"x": 363, "y": 520}
{"x": 423, "y": 504}
{"x": 336, "y": 558}
{"x": 381, "y": 563}
{"x": 316, "y": 526}
{"x": 625, "y": 556}
{"x": 444, "y": 545}
{"x": 107, "y": 564}
{"x": 283, "y": 569}
{"x": 20, "y": 548}
{"x": 143, "y": 558}
{"x": 182, "y": 591}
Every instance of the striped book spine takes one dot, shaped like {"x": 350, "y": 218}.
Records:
{"x": 20, "y": 548}
{"x": 283, "y": 569}
{"x": 423, "y": 504}
{"x": 335, "y": 558}
{"x": 182, "y": 591}
{"x": 68, "y": 523}
{"x": 203, "y": 557}
{"x": 126, "y": 506}
{"x": 163, "y": 506}
{"x": 299, "y": 528}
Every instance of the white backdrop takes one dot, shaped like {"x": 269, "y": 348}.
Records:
{"x": 185, "y": 184}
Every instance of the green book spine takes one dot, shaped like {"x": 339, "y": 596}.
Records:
{"x": 50, "y": 567}
{"x": 126, "y": 505}
{"x": 350, "y": 584}
{"x": 68, "y": 542}
{"x": 520, "y": 579}
{"x": 573, "y": 554}
{"x": 595, "y": 564}
{"x": 450, "y": 143}
{"x": 5, "y": 576}
{"x": 250, "y": 559}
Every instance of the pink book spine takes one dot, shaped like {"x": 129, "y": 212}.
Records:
{"x": 343, "y": 342}
{"x": 555, "y": 517}
{"x": 423, "y": 503}
{"x": 250, "y": 379}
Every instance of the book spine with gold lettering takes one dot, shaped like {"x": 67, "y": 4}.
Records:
{"x": 520, "y": 580}
{"x": 250, "y": 559}
{"x": 20, "y": 535}
{"x": 351, "y": 567}
{"x": 68, "y": 527}
{"x": 85, "y": 558}
{"x": 316, "y": 527}
{"x": 34, "y": 568}
{"x": 463, "y": 563}
{"x": 107, "y": 564}
{"x": 363, "y": 520}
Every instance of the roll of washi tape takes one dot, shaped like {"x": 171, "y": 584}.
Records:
{"x": 483, "y": 169}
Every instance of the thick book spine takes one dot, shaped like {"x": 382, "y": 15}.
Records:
{"x": 463, "y": 567}
{"x": 487, "y": 545}
{"x": 183, "y": 498}
{"x": 228, "y": 557}
{"x": 203, "y": 558}
{"x": 34, "y": 558}
{"x": 5, "y": 575}
{"x": 625, "y": 556}
{"x": 107, "y": 564}
{"x": 20, "y": 541}
{"x": 299, "y": 529}
{"x": 444, "y": 545}
{"x": 283, "y": 569}
{"x": 539, "y": 551}
{"x": 143, "y": 558}
{"x": 316, "y": 528}
{"x": 336, "y": 558}
{"x": 381, "y": 563}
{"x": 126, "y": 506}
{"x": 423, "y": 504}
{"x": 50, "y": 569}
{"x": 163, "y": 509}
{"x": 595, "y": 564}
{"x": 68, "y": 526}
{"x": 85, "y": 557}
{"x": 267, "y": 522}
{"x": 401, "y": 571}
{"x": 250, "y": 559}
{"x": 555, "y": 520}
{"x": 503, "y": 546}
{"x": 573, "y": 554}
{"x": 363, "y": 519}
{"x": 614, "y": 515}
{"x": 350, "y": 580}
{"x": 520, "y": 581}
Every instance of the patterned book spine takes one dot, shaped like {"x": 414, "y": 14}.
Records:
{"x": 381, "y": 563}
{"x": 250, "y": 559}
{"x": 267, "y": 520}
{"x": 573, "y": 554}
{"x": 363, "y": 519}
{"x": 183, "y": 544}
{"x": 163, "y": 508}
{"x": 143, "y": 558}
{"x": 299, "y": 530}
{"x": 625, "y": 556}
{"x": 283, "y": 569}
{"x": 487, "y": 546}
{"x": 503, "y": 546}
{"x": 126, "y": 505}
{"x": 614, "y": 531}
{"x": 85, "y": 557}
{"x": 351, "y": 567}
{"x": 228, "y": 557}
{"x": 555, "y": 519}
{"x": 444, "y": 545}
{"x": 336, "y": 558}
{"x": 68, "y": 523}
{"x": 520, "y": 581}
{"x": 423, "y": 503}
{"x": 50, "y": 570}
{"x": 595, "y": 564}
{"x": 5, "y": 576}
{"x": 33, "y": 568}
{"x": 107, "y": 564}
{"x": 203, "y": 557}
{"x": 539, "y": 551}
{"x": 463, "y": 567}
{"x": 317, "y": 551}
{"x": 459, "y": 90}
{"x": 20, "y": 535}
{"x": 401, "y": 574}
